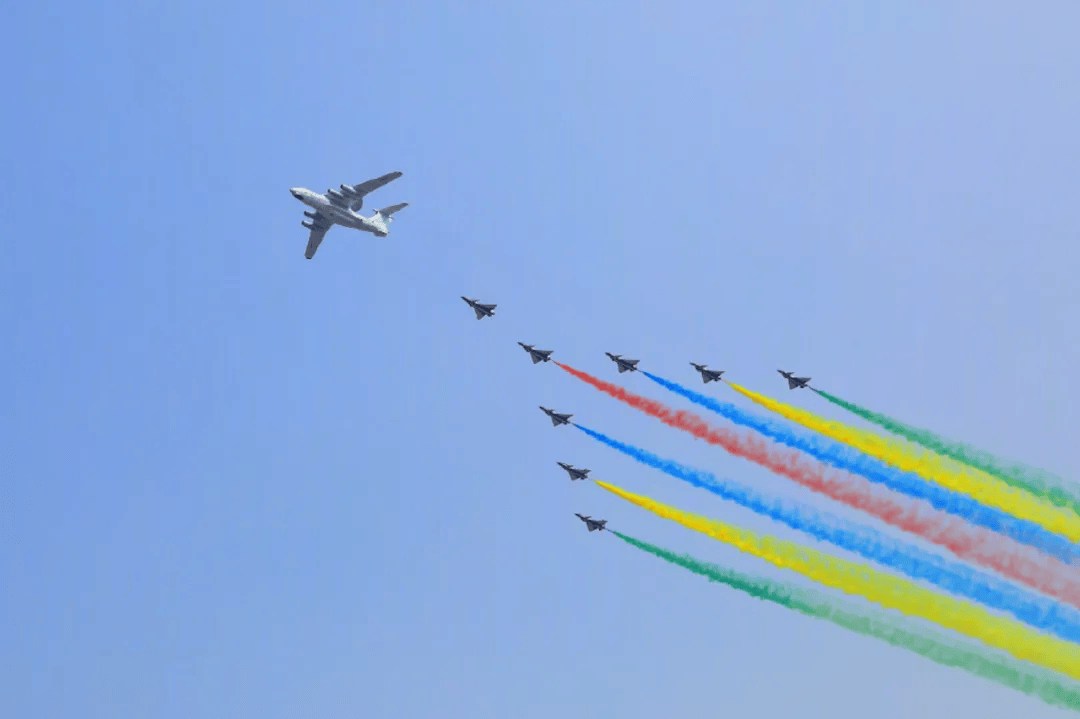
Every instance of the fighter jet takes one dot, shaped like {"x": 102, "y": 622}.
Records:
{"x": 625, "y": 365}
{"x": 573, "y": 472}
{"x": 340, "y": 208}
{"x": 708, "y": 375}
{"x": 793, "y": 382}
{"x": 481, "y": 311}
{"x": 537, "y": 355}
{"x": 556, "y": 418}
{"x": 592, "y": 524}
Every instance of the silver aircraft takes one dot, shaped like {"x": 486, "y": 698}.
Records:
{"x": 708, "y": 375}
{"x": 481, "y": 311}
{"x": 574, "y": 472}
{"x": 339, "y": 207}
{"x": 625, "y": 365}
{"x": 592, "y": 524}
{"x": 556, "y": 418}
{"x": 537, "y": 355}
{"x": 793, "y": 382}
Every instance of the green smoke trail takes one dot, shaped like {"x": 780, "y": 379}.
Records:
{"x": 1018, "y": 675}
{"x": 1030, "y": 479}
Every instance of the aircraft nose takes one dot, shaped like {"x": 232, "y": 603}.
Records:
{"x": 295, "y": 192}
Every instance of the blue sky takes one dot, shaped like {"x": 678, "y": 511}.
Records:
{"x": 244, "y": 484}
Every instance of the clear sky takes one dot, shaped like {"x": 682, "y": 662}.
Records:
{"x": 242, "y": 484}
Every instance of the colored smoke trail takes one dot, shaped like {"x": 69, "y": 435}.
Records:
{"x": 965, "y": 480}
{"x": 967, "y": 542}
{"x": 884, "y": 589}
{"x": 867, "y": 542}
{"x": 1023, "y": 677}
{"x": 1029, "y": 479}
{"x": 848, "y": 459}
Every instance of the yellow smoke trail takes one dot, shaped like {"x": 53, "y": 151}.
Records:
{"x": 884, "y": 589}
{"x": 974, "y": 483}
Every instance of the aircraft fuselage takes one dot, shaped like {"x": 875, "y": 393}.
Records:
{"x": 341, "y": 215}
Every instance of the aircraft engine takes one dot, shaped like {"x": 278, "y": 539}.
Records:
{"x": 309, "y": 214}
{"x": 307, "y": 224}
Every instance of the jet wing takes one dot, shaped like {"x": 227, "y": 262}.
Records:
{"x": 357, "y": 192}
{"x": 483, "y": 310}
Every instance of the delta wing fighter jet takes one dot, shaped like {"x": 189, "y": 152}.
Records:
{"x": 481, "y": 311}
{"x": 592, "y": 524}
{"x": 340, "y": 208}
{"x": 556, "y": 418}
{"x": 794, "y": 382}
{"x": 574, "y": 472}
{"x": 625, "y": 365}
{"x": 537, "y": 355}
{"x": 708, "y": 375}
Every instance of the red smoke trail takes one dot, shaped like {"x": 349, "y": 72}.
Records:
{"x": 974, "y": 544}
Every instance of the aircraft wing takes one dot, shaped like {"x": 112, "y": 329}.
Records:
{"x": 314, "y": 240}
{"x": 319, "y": 227}
{"x": 479, "y": 313}
{"x": 358, "y": 191}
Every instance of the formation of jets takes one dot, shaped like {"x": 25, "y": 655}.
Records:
{"x": 340, "y": 207}
{"x": 481, "y": 311}
{"x": 794, "y": 382}
{"x": 537, "y": 355}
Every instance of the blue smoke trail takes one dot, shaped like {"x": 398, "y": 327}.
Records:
{"x": 917, "y": 563}
{"x": 909, "y": 483}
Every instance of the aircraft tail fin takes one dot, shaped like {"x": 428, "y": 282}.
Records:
{"x": 386, "y": 212}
